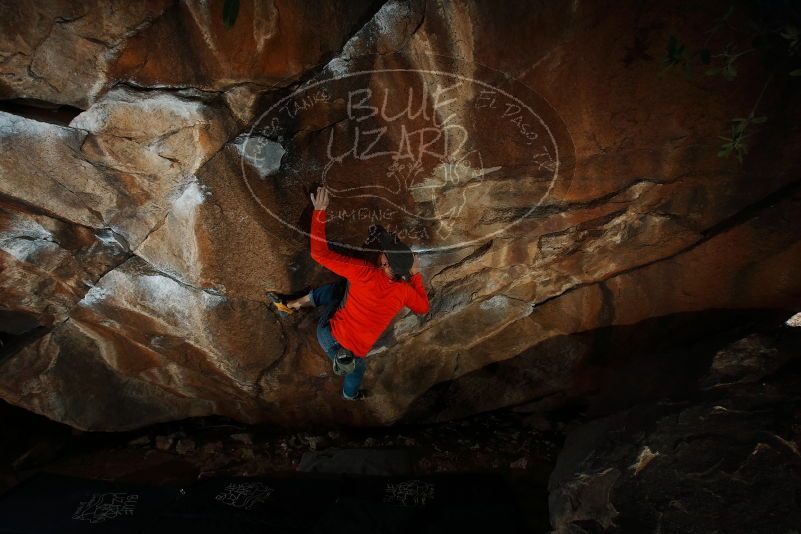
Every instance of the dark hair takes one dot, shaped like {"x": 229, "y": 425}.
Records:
{"x": 399, "y": 256}
{"x": 402, "y": 277}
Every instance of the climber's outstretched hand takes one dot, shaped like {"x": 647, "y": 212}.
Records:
{"x": 320, "y": 199}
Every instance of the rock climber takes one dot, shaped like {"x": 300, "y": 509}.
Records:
{"x": 357, "y": 309}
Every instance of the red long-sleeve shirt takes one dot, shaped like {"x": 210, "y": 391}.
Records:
{"x": 373, "y": 298}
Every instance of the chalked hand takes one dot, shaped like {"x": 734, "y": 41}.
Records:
{"x": 320, "y": 199}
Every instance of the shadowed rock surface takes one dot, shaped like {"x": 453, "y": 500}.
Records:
{"x": 724, "y": 461}
{"x": 137, "y": 241}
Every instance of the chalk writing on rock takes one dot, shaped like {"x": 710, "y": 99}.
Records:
{"x": 409, "y": 493}
{"x": 433, "y": 155}
{"x": 244, "y": 494}
{"x": 102, "y": 507}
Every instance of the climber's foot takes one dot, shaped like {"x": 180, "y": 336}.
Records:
{"x": 360, "y": 395}
{"x": 279, "y": 304}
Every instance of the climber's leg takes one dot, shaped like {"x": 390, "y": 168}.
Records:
{"x": 302, "y": 302}
{"x": 350, "y": 389}
{"x": 332, "y": 297}
{"x": 328, "y": 294}
{"x": 329, "y": 297}
{"x": 326, "y": 340}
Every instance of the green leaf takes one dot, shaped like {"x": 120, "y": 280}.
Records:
{"x": 796, "y": 72}
{"x": 728, "y": 12}
{"x": 711, "y": 72}
{"x": 790, "y": 33}
{"x": 729, "y": 72}
{"x": 742, "y": 150}
{"x": 675, "y": 52}
{"x": 736, "y": 143}
{"x": 705, "y": 56}
{"x": 230, "y": 12}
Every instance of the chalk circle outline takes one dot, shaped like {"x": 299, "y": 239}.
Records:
{"x": 440, "y": 249}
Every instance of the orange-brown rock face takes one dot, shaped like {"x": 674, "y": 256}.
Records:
{"x": 558, "y": 189}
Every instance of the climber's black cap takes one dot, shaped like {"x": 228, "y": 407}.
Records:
{"x": 399, "y": 256}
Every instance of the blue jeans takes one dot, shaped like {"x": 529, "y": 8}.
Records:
{"x": 331, "y": 297}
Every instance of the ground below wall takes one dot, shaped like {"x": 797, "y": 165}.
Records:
{"x": 519, "y": 447}
{"x": 724, "y": 459}
{"x": 676, "y": 462}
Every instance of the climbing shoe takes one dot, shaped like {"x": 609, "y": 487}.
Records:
{"x": 344, "y": 362}
{"x": 282, "y": 309}
{"x": 360, "y": 395}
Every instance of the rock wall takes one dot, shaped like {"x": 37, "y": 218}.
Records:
{"x": 556, "y": 183}
{"x": 678, "y": 466}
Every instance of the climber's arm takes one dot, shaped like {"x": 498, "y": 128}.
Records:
{"x": 416, "y": 296}
{"x": 342, "y": 265}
